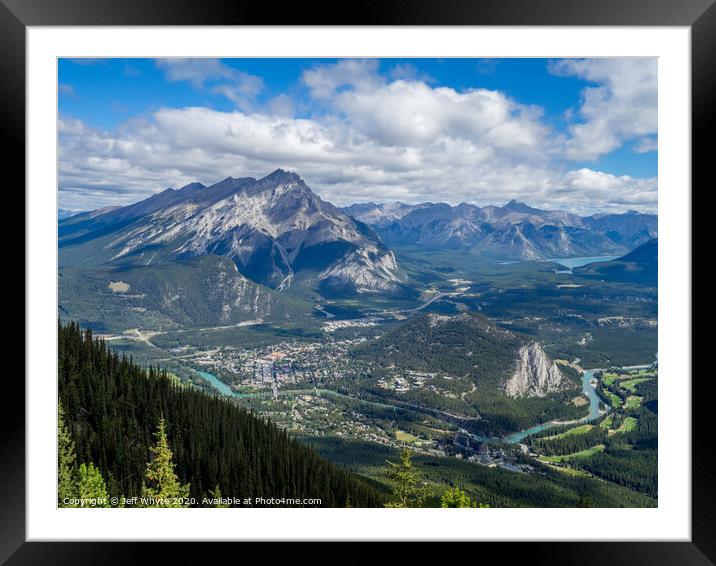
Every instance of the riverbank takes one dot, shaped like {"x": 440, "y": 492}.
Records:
{"x": 589, "y": 390}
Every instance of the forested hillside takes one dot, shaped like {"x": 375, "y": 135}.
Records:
{"x": 467, "y": 344}
{"x": 112, "y": 408}
{"x": 198, "y": 292}
{"x": 478, "y": 358}
{"x": 640, "y": 266}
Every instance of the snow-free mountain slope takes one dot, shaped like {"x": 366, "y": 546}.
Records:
{"x": 513, "y": 231}
{"x": 470, "y": 345}
{"x": 270, "y": 228}
{"x": 198, "y": 292}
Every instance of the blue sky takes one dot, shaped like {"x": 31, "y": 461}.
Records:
{"x": 572, "y": 134}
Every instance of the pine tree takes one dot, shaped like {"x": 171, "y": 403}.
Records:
{"x": 112, "y": 407}
{"x": 408, "y": 491}
{"x": 165, "y": 489}
{"x": 216, "y": 494}
{"x": 66, "y": 482}
{"x": 91, "y": 486}
{"x": 455, "y": 497}
{"x": 584, "y": 501}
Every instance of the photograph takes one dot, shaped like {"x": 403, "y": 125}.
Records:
{"x": 357, "y": 282}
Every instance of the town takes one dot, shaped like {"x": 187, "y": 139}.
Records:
{"x": 297, "y": 385}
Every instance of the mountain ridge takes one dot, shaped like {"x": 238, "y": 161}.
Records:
{"x": 513, "y": 231}
{"x": 270, "y": 228}
{"x": 276, "y": 228}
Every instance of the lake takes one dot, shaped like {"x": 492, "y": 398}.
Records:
{"x": 572, "y": 262}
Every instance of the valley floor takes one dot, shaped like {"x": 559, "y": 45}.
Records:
{"x": 305, "y": 379}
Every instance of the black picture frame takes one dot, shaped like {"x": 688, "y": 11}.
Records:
{"x": 17, "y": 15}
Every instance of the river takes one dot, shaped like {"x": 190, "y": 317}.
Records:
{"x": 588, "y": 389}
{"x": 222, "y": 388}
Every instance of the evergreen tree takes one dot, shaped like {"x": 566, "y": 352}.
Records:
{"x": 91, "y": 487}
{"x": 165, "y": 489}
{"x": 409, "y": 490}
{"x": 584, "y": 501}
{"x": 66, "y": 484}
{"x": 455, "y": 497}
{"x": 216, "y": 494}
{"x": 112, "y": 407}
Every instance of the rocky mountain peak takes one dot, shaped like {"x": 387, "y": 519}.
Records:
{"x": 517, "y": 206}
{"x": 192, "y": 187}
{"x": 270, "y": 228}
{"x": 280, "y": 177}
{"x": 535, "y": 375}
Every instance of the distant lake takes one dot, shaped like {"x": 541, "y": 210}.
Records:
{"x": 572, "y": 262}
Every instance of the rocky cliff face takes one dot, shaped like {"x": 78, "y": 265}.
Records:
{"x": 535, "y": 374}
{"x": 365, "y": 269}
{"x": 270, "y": 228}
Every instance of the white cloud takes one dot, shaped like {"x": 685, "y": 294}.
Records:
{"x": 177, "y": 146}
{"x": 323, "y": 81}
{"x": 411, "y": 113}
{"x": 281, "y": 105}
{"x": 408, "y": 112}
{"x": 239, "y": 87}
{"x": 236, "y": 96}
{"x": 621, "y": 106}
{"x": 645, "y": 145}
{"x": 196, "y": 70}
{"x": 408, "y": 71}
{"x": 616, "y": 192}
{"x": 374, "y": 139}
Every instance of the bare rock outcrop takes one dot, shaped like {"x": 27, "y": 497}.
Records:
{"x": 535, "y": 374}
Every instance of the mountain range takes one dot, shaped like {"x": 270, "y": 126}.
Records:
{"x": 63, "y": 213}
{"x": 221, "y": 254}
{"x": 271, "y": 229}
{"x": 512, "y": 231}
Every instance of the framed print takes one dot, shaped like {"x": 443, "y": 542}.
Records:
{"x": 421, "y": 276}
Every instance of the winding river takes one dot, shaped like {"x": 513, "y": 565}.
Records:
{"x": 224, "y": 389}
{"x": 588, "y": 389}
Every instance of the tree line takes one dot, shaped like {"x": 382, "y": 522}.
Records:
{"x": 85, "y": 486}
{"x": 114, "y": 410}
